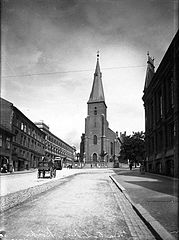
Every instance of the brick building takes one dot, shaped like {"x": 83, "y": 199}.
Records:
{"x": 26, "y": 140}
{"x": 5, "y": 133}
{"x": 101, "y": 143}
{"x": 55, "y": 147}
{"x": 161, "y": 113}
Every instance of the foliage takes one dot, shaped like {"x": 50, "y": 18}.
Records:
{"x": 133, "y": 147}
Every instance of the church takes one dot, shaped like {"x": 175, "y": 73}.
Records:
{"x": 101, "y": 144}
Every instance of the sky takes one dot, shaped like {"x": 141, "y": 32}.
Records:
{"x": 48, "y": 58}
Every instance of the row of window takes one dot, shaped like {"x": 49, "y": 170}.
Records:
{"x": 5, "y": 142}
{"x": 162, "y": 139}
{"x": 24, "y": 154}
{"x": 29, "y": 130}
{"x": 57, "y": 150}
{"x": 28, "y": 142}
{"x": 162, "y": 102}
{"x": 95, "y": 141}
{"x": 57, "y": 142}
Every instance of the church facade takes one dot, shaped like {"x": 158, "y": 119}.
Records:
{"x": 102, "y": 145}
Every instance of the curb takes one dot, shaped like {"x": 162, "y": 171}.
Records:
{"x": 155, "y": 227}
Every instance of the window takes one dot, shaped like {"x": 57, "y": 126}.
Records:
{"x": 29, "y": 131}
{"x": 95, "y": 139}
{"x": 111, "y": 148}
{"x": 161, "y": 106}
{"x": 21, "y": 140}
{"x": 95, "y": 123}
{"x": 17, "y": 122}
{"x": 172, "y": 93}
{"x": 0, "y": 140}
{"x": 152, "y": 115}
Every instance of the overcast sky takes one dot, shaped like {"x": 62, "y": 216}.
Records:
{"x": 58, "y": 40}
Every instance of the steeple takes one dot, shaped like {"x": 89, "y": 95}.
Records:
{"x": 150, "y": 71}
{"x": 97, "y": 93}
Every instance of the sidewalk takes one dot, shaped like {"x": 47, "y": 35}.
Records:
{"x": 17, "y": 188}
{"x": 151, "y": 195}
{"x": 17, "y": 181}
{"x": 18, "y": 172}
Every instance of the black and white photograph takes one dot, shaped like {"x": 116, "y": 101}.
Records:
{"x": 89, "y": 120}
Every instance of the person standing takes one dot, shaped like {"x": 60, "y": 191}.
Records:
{"x": 130, "y": 165}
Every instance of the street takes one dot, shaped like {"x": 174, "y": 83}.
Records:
{"x": 87, "y": 206}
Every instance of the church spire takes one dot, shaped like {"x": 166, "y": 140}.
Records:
{"x": 150, "y": 71}
{"x": 97, "y": 93}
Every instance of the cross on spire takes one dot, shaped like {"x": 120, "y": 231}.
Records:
{"x": 98, "y": 54}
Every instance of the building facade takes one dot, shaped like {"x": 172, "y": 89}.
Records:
{"x": 25, "y": 142}
{"x": 6, "y": 134}
{"x": 101, "y": 143}
{"x": 5, "y": 147}
{"x": 55, "y": 147}
{"x": 161, "y": 113}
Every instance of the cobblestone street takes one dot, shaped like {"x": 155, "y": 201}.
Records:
{"x": 87, "y": 206}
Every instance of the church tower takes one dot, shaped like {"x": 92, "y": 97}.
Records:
{"x": 150, "y": 71}
{"x": 99, "y": 139}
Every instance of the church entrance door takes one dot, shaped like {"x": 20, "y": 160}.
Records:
{"x": 95, "y": 159}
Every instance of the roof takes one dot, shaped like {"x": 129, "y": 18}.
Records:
{"x": 97, "y": 93}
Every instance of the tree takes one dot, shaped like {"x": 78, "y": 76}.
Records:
{"x": 133, "y": 147}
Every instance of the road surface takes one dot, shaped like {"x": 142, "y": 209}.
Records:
{"x": 87, "y": 206}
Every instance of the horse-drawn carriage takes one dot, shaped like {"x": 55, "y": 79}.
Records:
{"x": 46, "y": 167}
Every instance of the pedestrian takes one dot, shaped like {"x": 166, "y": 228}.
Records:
{"x": 130, "y": 165}
{"x": 10, "y": 168}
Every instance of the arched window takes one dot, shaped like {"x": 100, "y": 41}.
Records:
{"x": 111, "y": 148}
{"x": 95, "y": 139}
{"x": 95, "y": 111}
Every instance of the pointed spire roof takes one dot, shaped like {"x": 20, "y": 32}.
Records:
{"x": 150, "y": 71}
{"x": 97, "y": 93}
